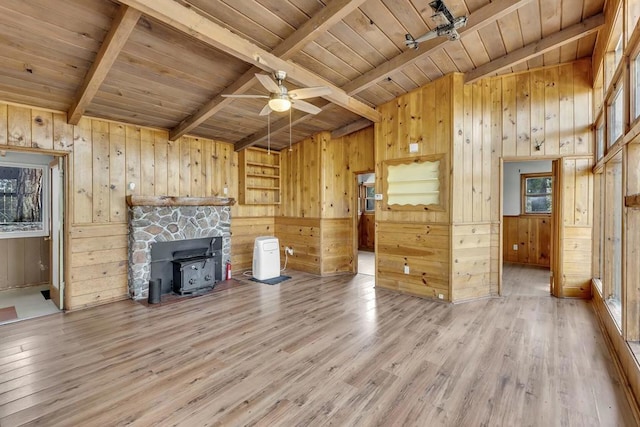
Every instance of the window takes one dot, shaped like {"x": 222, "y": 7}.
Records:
{"x": 600, "y": 142}
{"x": 635, "y": 81}
{"x": 369, "y": 194}
{"x": 613, "y": 235}
{"x": 23, "y": 200}
{"x": 536, "y": 193}
{"x": 615, "y": 117}
{"x": 598, "y": 229}
{"x": 617, "y": 53}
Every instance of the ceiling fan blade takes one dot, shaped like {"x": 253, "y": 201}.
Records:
{"x": 309, "y": 92}
{"x": 305, "y": 106}
{"x": 266, "y": 110}
{"x": 268, "y": 83}
{"x": 243, "y": 96}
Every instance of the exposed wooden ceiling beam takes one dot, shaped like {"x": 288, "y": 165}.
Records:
{"x": 554, "y": 41}
{"x": 328, "y": 16}
{"x": 123, "y": 24}
{"x": 477, "y": 20}
{"x": 190, "y": 22}
{"x": 350, "y": 128}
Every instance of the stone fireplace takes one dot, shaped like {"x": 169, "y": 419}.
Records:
{"x": 165, "y": 219}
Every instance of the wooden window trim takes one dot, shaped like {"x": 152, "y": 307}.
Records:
{"x": 523, "y": 193}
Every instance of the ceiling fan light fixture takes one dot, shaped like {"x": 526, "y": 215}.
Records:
{"x": 279, "y": 103}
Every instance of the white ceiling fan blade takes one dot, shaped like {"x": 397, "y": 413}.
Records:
{"x": 268, "y": 83}
{"x": 309, "y": 92}
{"x": 243, "y": 96}
{"x": 305, "y": 106}
{"x": 266, "y": 110}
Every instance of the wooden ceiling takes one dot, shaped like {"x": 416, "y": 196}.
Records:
{"x": 166, "y": 63}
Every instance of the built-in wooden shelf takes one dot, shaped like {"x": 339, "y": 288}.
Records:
{"x": 264, "y": 165}
{"x": 179, "y": 201}
{"x": 263, "y": 175}
{"x": 632, "y": 201}
{"x": 259, "y": 177}
{"x": 414, "y": 183}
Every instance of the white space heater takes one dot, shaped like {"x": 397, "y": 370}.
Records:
{"x": 266, "y": 258}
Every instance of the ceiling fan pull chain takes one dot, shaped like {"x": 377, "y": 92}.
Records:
{"x": 269, "y": 134}
{"x": 290, "y": 149}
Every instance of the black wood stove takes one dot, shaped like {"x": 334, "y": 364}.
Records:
{"x": 194, "y": 273}
{"x": 187, "y": 266}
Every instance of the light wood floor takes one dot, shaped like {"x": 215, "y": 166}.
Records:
{"x": 312, "y": 351}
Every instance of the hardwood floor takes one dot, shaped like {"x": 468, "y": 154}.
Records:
{"x": 315, "y": 351}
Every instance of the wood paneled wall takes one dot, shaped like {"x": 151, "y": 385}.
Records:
{"x": 510, "y": 117}
{"x": 319, "y": 185}
{"x": 367, "y": 231}
{"x": 531, "y": 235}
{"x": 23, "y": 262}
{"x": 575, "y": 239}
{"x": 244, "y": 231}
{"x": 544, "y": 113}
{"x": 418, "y": 239}
{"x": 304, "y": 236}
{"x": 424, "y": 248}
{"x": 103, "y": 157}
{"x": 474, "y": 266}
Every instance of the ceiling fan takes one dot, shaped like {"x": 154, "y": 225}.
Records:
{"x": 448, "y": 25}
{"x": 281, "y": 99}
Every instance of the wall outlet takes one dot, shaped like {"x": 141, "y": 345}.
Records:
{"x": 440, "y": 296}
{"x": 225, "y": 191}
{"x": 406, "y": 269}
{"x": 413, "y": 147}
{"x": 515, "y": 247}
{"x": 288, "y": 250}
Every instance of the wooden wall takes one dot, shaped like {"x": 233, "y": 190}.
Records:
{"x": 316, "y": 216}
{"x": 23, "y": 262}
{"x": 475, "y": 125}
{"x": 367, "y": 231}
{"x": 509, "y": 116}
{"x": 575, "y": 235}
{"x": 103, "y": 157}
{"x": 532, "y": 235}
{"x": 418, "y": 239}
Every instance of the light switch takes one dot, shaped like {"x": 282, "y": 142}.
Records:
{"x": 378, "y": 196}
{"x": 406, "y": 269}
{"x": 413, "y": 147}
{"x": 515, "y": 247}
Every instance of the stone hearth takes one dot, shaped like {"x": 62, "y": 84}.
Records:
{"x": 164, "y": 219}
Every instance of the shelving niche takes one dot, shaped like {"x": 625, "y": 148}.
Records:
{"x": 259, "y": 177}
{"x": 416, "y": 183}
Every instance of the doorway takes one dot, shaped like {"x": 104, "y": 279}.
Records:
{"x": 31, "y": 244}
{"x": 364, "y": 236}
{"x": 528, "y": 202}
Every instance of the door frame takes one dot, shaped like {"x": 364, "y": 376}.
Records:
{"x": 355, "y": 218}
{"x": 555, "y": 253}
{"x": 57, "y": 255}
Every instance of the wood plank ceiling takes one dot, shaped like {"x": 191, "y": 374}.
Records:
{"x": 165, "y": 63}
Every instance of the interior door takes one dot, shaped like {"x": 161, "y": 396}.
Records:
{"x": 56, "y": 286}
